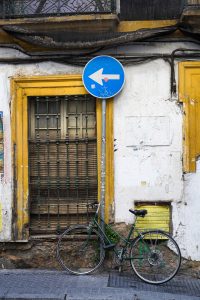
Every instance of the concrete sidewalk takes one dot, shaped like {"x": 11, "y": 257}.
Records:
{"x": 39, "y": 284}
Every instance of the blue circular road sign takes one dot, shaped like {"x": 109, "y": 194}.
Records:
{"x": 103, "y": 77}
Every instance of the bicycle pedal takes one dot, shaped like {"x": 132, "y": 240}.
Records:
{"x": 109, "y": 246}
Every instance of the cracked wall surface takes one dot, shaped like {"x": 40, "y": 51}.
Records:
{"x": 148, "y": 143}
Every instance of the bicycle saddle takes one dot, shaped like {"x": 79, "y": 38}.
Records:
{"x": 140, "y": 213}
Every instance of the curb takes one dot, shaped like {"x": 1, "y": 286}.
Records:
{"x": 33, "y": 297}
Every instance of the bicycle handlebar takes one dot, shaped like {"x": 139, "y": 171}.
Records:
{"x": 93, "y": 205}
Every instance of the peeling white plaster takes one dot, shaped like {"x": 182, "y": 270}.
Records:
{"x": 149, "y": 170}
{"x": 158, "y": 133}
{"x": 6, "y": 73}
{"x": 189, "y": 215}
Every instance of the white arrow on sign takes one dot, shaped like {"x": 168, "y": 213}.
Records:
{"x": 98, "y": 76}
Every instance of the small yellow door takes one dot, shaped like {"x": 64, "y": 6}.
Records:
{"x": 189, "y": 94}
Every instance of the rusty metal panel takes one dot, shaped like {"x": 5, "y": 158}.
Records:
{"x": 151, "y": 9}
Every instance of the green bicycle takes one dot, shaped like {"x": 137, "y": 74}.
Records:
{"x": 154, "y": 255}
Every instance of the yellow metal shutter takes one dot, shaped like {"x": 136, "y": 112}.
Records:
{"x": 158, "y": 216}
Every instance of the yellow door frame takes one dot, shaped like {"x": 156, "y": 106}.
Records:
{"x": 22, "y": 88}
{"x": 187, "y": 95}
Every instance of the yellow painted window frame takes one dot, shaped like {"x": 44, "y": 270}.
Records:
{"x": 22, "y": 88}
{"x": 191, "y": 146}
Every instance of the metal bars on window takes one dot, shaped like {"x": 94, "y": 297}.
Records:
{"x": 37, "y": 8}
{"x": 193, "y": 2}
{"x": 62, "y": 161}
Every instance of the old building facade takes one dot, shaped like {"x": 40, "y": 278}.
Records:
{"x": 50, "y": 130}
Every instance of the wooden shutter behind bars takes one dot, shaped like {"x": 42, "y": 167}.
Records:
{"x": 62, "y": 161}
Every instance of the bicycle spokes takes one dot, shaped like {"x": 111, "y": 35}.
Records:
{"x": 80, "y": 252}
{"x": 155, "y": 257}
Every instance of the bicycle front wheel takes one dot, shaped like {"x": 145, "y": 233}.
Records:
{"x": 155, "y": 257}
{"x": 80, "y": 250}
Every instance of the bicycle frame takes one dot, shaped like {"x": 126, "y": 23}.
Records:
{"x": 152, "y": 260}
{"x": 95, "y": 223}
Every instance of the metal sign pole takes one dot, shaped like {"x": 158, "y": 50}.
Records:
{"x": 103, "y": 77}
{"x": 103, "y": 163}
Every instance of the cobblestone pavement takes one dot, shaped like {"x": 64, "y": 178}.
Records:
{"x": 42, "y": 284}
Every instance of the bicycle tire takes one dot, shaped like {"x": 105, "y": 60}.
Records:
{"x": 155, "y": 257}
{"x": 79, "y": 250}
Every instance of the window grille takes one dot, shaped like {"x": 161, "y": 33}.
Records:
{"x": 62, "y": 161}
{"x": 193, "y": 2}
{"x": 37, "y": 8}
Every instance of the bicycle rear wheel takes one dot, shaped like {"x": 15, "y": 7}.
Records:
{"x": 155, "y": 257}
{"x": 79, "y": 250}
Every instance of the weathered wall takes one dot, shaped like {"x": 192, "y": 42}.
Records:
{"x": 148, "y": 129}
{"x": 6, "y": 72}
{"x": 189, "y": 216}
{"x": 148, "y": 133}
{"x": 148, "y": 160}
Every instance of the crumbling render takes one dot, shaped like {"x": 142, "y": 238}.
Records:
{"x": 78, "y": 40}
